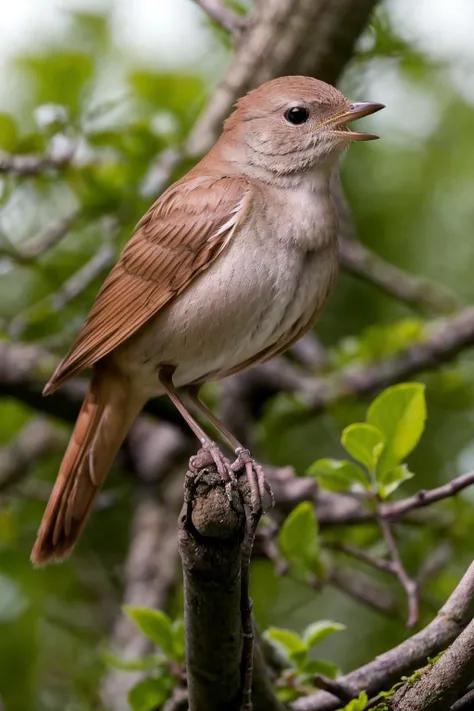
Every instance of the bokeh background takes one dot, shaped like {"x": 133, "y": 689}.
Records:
{"x": 127, "y": 79}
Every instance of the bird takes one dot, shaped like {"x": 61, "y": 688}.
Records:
{"x": 228, "y": 268}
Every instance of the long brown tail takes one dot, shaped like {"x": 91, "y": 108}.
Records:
{"x": 107, "y": 414}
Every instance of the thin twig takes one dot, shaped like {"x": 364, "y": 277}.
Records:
{"x": 410, "y": 586}
{"x": 385, "y": 566}
{"x": 362, "y": 589}
{"x": 425, "y": 497}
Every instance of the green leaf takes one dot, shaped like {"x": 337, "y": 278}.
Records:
{"x": 317, "y": 631}
{"x": 321, "y": 666}
{"x": 149, "y": 694}
{"x": 389, "y": 481}
{"x": 155, "y": 624}
{"x": 399, "y": 413}
{"x": 358, "y": 704}
{"x": 298, "y": 539}
{"x": 289, "y": 643}
{"x": 338, "y": 475}
{"x": 363, "y": 442}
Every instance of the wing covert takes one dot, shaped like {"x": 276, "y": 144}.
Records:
{"x": 178, "y": 238}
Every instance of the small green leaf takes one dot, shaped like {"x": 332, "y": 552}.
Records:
{"x": 390, "y": 480}
{"x": 149, "y": 694}
{"x": 399, "y": 413}
{"x": 363, "y": 442}
{"x": 155, "y": 624}
{"x": 321, "y": 666}
{"x": 289, "y": 643}
{"x": 358, "y": 704}
{"x": 317, "y": 631}
{"x": 298, "y": 539}
{"x": 338, "y": 475}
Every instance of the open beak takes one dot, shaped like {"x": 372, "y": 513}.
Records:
{"x": 358, "y": 110}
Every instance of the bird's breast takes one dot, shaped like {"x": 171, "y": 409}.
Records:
{"x": 271, "y": 279}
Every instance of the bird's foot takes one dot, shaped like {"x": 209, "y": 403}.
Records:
{"x": 261, "y": 496}
{"x": 207, "y": 456}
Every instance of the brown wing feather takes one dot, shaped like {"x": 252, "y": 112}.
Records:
{"x": 178, "y": 238}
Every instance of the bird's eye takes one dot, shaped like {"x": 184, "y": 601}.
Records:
{"x": 297, "y": 115}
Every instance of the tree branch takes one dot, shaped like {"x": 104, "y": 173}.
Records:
{"x": 441, "y": 683}
{"x": 411, "y": 654}
{"x": 420, "y": 293}
{"x": 444, "y": 341}
{"x": 210, "y": 537}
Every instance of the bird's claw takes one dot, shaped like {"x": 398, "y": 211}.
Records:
{"x": 209, "y": 455}
{"x": 261, "y": 495}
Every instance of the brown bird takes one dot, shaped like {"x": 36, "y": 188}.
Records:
{"x": 228, "y": 268}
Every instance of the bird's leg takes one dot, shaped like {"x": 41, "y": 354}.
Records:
{"x": 211, "y": 453}
{"x": 261, "y": 497}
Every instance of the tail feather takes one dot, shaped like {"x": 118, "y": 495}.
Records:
{"x": 107, "y": 414}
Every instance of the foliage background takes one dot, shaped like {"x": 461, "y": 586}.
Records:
{"x": 411, "y": 195}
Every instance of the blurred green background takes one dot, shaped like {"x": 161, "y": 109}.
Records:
{"x": 125, "y": 80}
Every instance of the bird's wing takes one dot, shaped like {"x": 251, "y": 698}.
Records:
{"x": 178, "y": 238}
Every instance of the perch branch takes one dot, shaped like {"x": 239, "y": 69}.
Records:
{"x": 210, "y": 537}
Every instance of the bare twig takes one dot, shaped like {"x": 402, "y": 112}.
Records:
{"x": 385, "y": 566}
{"x": 418, "y": 292}
{"x": 411, "y": 654}
{"x": 223, "y": 15}
{"x": 427, "y": 497}
{"x": 362, "y": 589}
{"x": 410, "y": 586}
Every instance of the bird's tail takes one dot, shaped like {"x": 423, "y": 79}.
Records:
{"x": 107, "y": 414}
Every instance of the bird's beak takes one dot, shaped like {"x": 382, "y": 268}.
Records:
{"x": 358, "y": 109}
